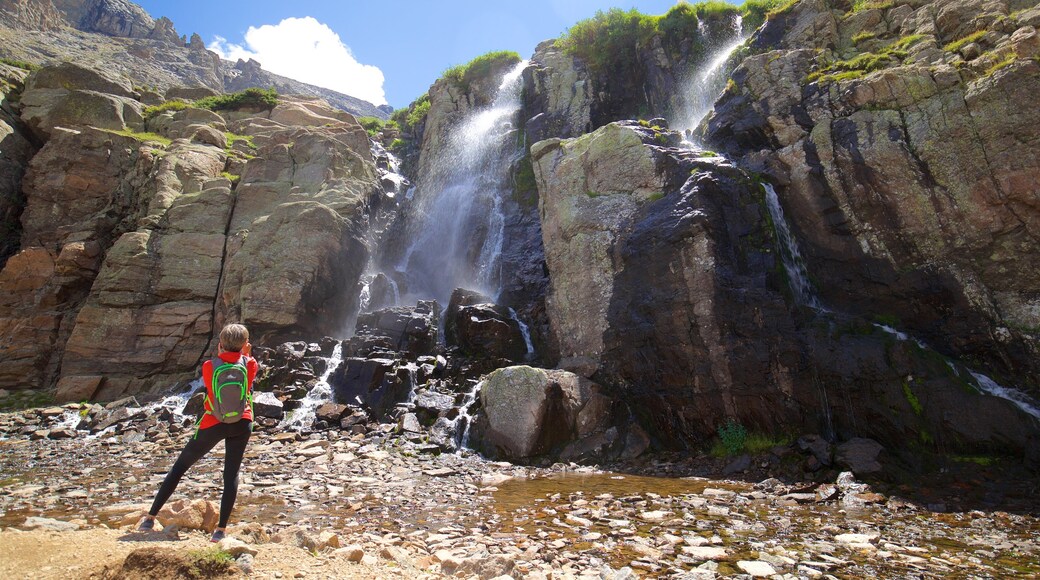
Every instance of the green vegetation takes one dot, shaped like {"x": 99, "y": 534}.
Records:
{"x": 249, "y": 98}
{"x": 861, "y": 5}
{"x": 230, "y": 177}
{"x": 20, "y": 64}
{"x": 613, "y": 36}
{"x": 781, "y": 9}
{"x": 732, "y": 436}
{"x": 960, "y": 43}
{"x": 887, "y": 320}
{"x": 210, "y": 562}
{"x": 144, "y": 137}
{"x": 756, "y": 12}
{"x": 525, "y": 188}
{"x": 171, "y": 105}
{"x": 397, "y": 144}
{"x": 983, "y": 460}
{"x": 862, "y": 36}
{"x": 233, "y": 138}
{"x": 463, "y": 75}
{"x": 417, "y": 112}
{"x": 911, "y": 398}
{"x": 1010, "y": 58}
{"x": 18, "y": 400}
{"x": 866, "y": 62}
{"x": 374, "y": 125}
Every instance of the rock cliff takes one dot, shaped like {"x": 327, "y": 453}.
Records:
{"x": 904, "y": 137}
{"x": 137, "y": 240}
{"x": 666, "y": 285}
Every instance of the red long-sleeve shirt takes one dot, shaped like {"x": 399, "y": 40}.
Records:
{"x": 208, "y": 420}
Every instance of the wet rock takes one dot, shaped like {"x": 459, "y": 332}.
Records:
{"x": 401, "y": 329}
{"x": 738, "y": 465}
{"x": 860, "y": 455}
{"x": 331, "y": 412}
{"x": 195, "y": 404}
{"x": 121, "y": 403}
{"x": 431, "y": 404}
{"x": 460, "y": 297}
{"x": 267, "y": 405}
{"x": 62, "y": 434}
{"x": 819, "y": 447}
{"x": 372, "y": 383}
{"x": 483, "y": 328}
{"x": 116, "y": 417}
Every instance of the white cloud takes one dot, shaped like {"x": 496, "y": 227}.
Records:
{"x": 308, "y": 51}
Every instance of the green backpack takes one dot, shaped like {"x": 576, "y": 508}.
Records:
{"x": 231, "y": 396}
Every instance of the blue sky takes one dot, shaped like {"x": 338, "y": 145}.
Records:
{"x": 410, "y": 42}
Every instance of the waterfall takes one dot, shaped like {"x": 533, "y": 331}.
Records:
{"x": 456, "y": 225}
{"x": 703, "y": 85}
{"x": 464, "y": 415}
{"x": 525, "y": 331}
{"x": 794, "y": 265}
{"x": 303, "y": 416}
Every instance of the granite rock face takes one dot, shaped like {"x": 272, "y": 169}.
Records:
{"x": 665, "y": 279}
{"x": 912, "y": 187}
{"x": 133, "y": 251}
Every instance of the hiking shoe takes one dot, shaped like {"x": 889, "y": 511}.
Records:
{"x": 218, "y": 535}
{"x": 146, "y": 525}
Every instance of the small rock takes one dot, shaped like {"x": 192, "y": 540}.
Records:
{"x": 237, "y": 547}
{"x": 38, "y": 523}
{"x": 245, "y": 563}
{"x": 757, "y": 569}
{"x": 705, "y": 552}
{"x": 353, "y": 552}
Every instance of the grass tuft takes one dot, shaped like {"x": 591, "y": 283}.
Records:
{"x": 20, "y": 64}
{"x": 249, "y": 98}
{"x": 171, "y": 105}
{"x": 960, "y": 43}
{"x": 464, "y": 75}
{"x": 144, "y": 137}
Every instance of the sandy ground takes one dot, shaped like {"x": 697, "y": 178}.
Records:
{"x": 43, "y": 554}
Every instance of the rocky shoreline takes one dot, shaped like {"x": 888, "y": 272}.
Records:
{"x": 382, "y": 499}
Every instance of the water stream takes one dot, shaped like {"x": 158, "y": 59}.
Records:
{"x": 704, "y": 84}
{"x": 456, "y": 225}
{"x": 794, "y": 264}
{"x": 303, "y": 416}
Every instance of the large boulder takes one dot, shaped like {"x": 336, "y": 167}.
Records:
{"x": 531, "y": 412}
{"x": 69, "y": 95}
{"x": 402, "y": 329}
{"x": 480, "y": 328}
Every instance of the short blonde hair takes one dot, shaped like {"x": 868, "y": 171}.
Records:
{"x": 233, "y": 337}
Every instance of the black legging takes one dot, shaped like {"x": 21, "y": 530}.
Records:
{"x": 235, "y": 435}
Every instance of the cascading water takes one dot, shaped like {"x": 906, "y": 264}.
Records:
{"x": 303, "y": 416}
{"x": 794, "y": 265}
{"x": 704, "y": 84}
{"x": 457, "y": 226}
{"x": 525, "y": 331}
{"x": 805, "y": 295}
{"x": 464, "y": 415}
